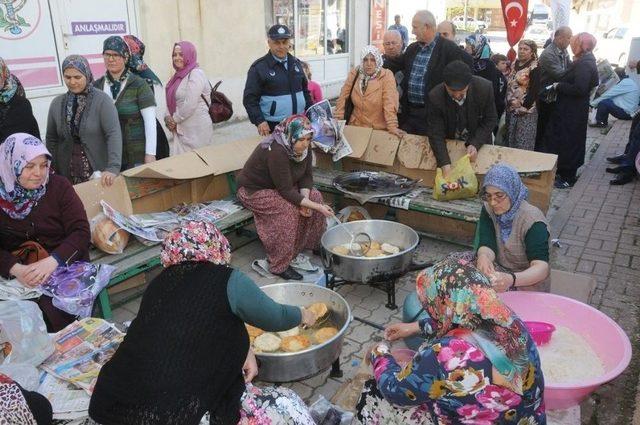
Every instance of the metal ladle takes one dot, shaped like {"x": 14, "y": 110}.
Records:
{"x": 358, "y": 251}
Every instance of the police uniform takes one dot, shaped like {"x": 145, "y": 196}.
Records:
{"x": 275, "y": 88}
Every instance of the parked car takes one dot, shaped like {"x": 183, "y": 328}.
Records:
{"x": 472, "y": 24}
{"x": 614, "y": 46}
{"x": 538, "y": 33}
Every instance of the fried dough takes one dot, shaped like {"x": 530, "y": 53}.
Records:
{"x": 253, "y": 331}
{"x": 291, "y": 332}
{"x": 291, "y": 344}
{"x": 267, "y": 343}
{"x": 324, "y": 334}
{"x": 319, "y": 309}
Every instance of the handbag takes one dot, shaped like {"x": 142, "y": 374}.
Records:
{"x": 30, "y": 252}
{"x": 348, "y": 104}
{"x": 221, "y": 107}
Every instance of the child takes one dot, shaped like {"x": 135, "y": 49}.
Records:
{"x": 314, "y": 88}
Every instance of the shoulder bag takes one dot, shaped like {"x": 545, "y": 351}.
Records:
{"x": 221, "y": 107}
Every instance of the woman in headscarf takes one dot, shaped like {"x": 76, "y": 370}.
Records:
{"x": 38, "y": 209}
{"x": 19, "y": 406}
{"x": 138, "y": 66}
{"x": 276, "y": 184}
{"x": 369, "y": 97}
{"x": 478, "y": 47}
{"x": 134, "y": 101}
{"x": 567, "y": 129}
{"x": 187, "y": 352}
{"x": 83, "y": 130}
{"x": 16, "y": 115}
{"x": 522, "y": 92}
{"x": 478, "y": 364}
{"x": 188, "y": 97}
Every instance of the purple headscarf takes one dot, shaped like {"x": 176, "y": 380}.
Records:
{"x": 16, "y": 151}
{"x": 190, "y": 58}
{"x": 507, "y": 179}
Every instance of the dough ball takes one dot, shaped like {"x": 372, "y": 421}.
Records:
{"x": 340, "y": 250}
{"x": 291, "y": 344}
{"x": 324, "y": 334}
{"x": 267, "y": 343}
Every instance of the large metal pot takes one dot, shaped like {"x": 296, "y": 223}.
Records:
{"x": 287, "y": 367}
{"x": 364, "y": 269}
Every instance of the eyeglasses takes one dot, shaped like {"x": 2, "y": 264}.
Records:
{"x": 111, "y": 56}
{"x": 498, "y": 196}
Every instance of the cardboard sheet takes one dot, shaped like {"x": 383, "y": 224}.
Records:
{"x": 185, "y": 166}
{"x": 358, "y": 138}
{"x": 116, "y": 195}
{"x": 382, "y": 148}
{"x": 229, "y": 156}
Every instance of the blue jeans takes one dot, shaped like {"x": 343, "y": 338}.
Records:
{"x": 607, "y": 107}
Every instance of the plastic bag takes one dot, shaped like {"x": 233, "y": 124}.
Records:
{"x": 74, "y": 288}
{"x": 23, "y": 334}
{"x": 461, "y": 183}
{"x": 24, "y": 374}
{"x": 325, "y": 413}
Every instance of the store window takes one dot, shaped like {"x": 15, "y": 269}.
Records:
{"x": 320, "y": 26}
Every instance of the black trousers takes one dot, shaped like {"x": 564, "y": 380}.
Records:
{"x": 414, "y": 120}
{"x": 544, "y": 115}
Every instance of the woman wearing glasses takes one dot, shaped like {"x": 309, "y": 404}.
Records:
{"x": 134, "y": 101}
{"x": 513, "y": 246}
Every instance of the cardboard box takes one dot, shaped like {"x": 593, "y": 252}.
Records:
{"x": 580, "y": 287}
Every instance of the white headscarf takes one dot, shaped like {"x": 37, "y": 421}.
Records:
{"x": 369, "y": 50}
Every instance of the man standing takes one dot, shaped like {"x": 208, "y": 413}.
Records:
{"x": 276, "y": 86}
{"x": 423, "y": 63}
{"x": 554, "y": 62}
{"x": 392, "y": 44}
{"x": 404, "y": 32}
{"x": 447, "y": 30}
{"x": 461, "y": 108}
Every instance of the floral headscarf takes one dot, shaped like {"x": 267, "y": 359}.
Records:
{"x": 190, "y": 57}
{"x": 366, "y": 51}
{"x": 480, "y": 49}
{"x": 287, "y": 133}
{"x": 75, "y": 104}
{"x": 461, "y": 302}
{"x": 195, "y": 241}
{"x": 117, "y": 44}
{"x": 16, "y": 151}
{"x": 9, "y": 84}
{"x": 507, "y": 179}
{"x": 136, "y": 61}
{"x": 14, "y": 408}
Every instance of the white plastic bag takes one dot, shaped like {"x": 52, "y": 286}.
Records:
{"x": 23, "y": 333}
{"x": 24, "y": 374}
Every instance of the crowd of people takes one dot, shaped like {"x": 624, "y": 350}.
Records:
{"x": 478, "y": 362}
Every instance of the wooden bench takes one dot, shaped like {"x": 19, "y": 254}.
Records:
{"x": 139, "y": 258}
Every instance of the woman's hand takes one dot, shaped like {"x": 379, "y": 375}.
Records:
{"x": 323, "y": 209}
{"x": 263, "y": 129}
{"x": 37, "y": 273}
{"x": 396, "y": 331}
{"x": 308, "y": 317}
{"x": 305, "y": 212}
{"x": 170, "y": 123}
{"x": 485, "y": 265}
{"x": 398, "y": 133}
{"x": 149, "y": 158}
{"x": 107, "y": 178}
{"x": 501, "y": 282}
{"x": 250, "y": 367}
{"x": 472, "y": 152}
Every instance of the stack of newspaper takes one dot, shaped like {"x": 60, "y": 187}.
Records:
{"x": 70, "y": 373}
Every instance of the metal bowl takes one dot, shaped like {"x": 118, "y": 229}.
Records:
{"x": 287, "y": 367}
{"x": 366, "y": 269}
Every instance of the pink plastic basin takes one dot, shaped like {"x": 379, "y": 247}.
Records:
{"x": 403, "y": 355}
{"x": 604, "y": 335}
{"x": 540, "y": 331}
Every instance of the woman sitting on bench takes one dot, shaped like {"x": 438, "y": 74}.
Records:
{"x": 43, "y": 223}
{"x": 276, "y": 184}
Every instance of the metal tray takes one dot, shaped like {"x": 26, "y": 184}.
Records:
{"x": 366, "y": 185}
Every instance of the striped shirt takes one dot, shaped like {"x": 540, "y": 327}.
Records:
{"x": 418, "y": 76}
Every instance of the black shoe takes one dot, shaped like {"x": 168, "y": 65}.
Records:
{"x": 597, "y": 124}
{"x": 621, "y": 169}
{"x": 618, "y": 159}
{"x": 290, "y": 274}
{"x": 622, "y": 178}
{"x": 561, "y": 184}
{"x": 316, "y": 251}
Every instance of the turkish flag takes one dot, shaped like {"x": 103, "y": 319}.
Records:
{"x": 515, "y": 19}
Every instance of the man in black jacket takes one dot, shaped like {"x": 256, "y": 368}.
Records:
{"x": 461, "y": 108}
{"x": 276, "y": 85}
{"x": 423, "y": 63}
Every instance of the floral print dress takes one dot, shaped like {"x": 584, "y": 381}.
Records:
{"x": 487, "y": 372}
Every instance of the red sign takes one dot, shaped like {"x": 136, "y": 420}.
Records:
{"x": 515, "y": 20}
{"x": 378, "y": 22}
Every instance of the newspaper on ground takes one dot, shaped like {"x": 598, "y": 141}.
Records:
{"x": 148, "y": 233}
{"x": 81, "y": 349}
{"x": 67, "y": 400}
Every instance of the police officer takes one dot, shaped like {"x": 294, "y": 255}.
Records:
{"x": 276, "y": 84}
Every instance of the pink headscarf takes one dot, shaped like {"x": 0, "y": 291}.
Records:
{"x": 190, "y": 58}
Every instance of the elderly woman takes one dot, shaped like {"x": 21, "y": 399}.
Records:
{"x": 187, "y": 352}
{"x": 276, "y": 184}
{"x": 134, "y": 101}
{"x": 478, "y": 47}
{"x": 369, "y": 97}
{"x": 522, "y": 91}
{"x": 83, "y": 131}
{"x": 16, "y": 115}
{"x": 39, "y": 211}
{"x": 188, "y": 100}
{"x": 478, "y": 365}
{"x": 567, "y": 129}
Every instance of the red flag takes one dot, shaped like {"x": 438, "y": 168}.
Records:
{"x": 515, "y": 19}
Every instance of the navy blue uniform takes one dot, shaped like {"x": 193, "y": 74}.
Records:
{"x": 274, "y": 91}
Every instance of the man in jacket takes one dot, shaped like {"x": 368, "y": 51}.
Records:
{"x": 423, "y": 63}
{"x": 276, "y": 85}
{"x": 622, "y": 101}
{"x": 554, "y": 62}
{"x": 461, "y": 108}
